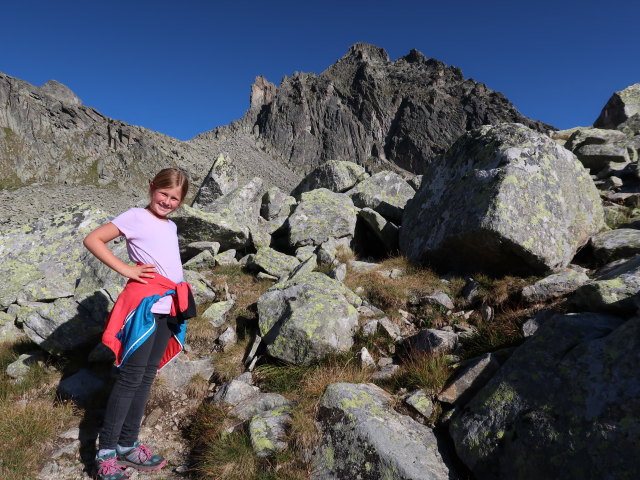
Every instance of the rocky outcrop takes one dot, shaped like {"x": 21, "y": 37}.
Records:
{"x": 621, "y": 107}
{"x": 505, "y": 198}
{"x": 561, "y": 407}
{"x": 368, "y": 109}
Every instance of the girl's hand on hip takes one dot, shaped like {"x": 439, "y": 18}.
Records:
{"x": 139, "y": 272}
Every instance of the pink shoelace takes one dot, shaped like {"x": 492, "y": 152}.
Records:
{"x": 144, "y": 453}
{"x": 109, "y": 466}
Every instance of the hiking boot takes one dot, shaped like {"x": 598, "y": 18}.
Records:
{"x": 142, "y": 458}
{"x": 109, "y": 468}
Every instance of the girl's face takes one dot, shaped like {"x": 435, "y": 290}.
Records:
{"x": 163, "y": 201}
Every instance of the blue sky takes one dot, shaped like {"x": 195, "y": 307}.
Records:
{"x": 182, "y": 68}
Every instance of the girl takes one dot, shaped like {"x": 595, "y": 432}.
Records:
{"x": 146, "y": 326}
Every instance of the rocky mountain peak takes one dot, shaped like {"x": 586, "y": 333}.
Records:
{"x": 367, "y": 53}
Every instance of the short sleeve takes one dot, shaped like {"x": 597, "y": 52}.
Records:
{"x": 126, "y": 222}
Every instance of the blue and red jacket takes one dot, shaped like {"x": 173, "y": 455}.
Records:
{"x": 131, "y": 321}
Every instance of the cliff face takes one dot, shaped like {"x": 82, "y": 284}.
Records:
{"x": 47, "y": 135}
{"x": 367, "y": 109}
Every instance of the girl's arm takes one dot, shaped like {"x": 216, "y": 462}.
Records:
{"x": 96, "y": 243}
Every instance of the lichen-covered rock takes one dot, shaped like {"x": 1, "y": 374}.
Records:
{"x": 563, "y": 406}
{"x": 307, "y": 266}
{"x": 621, "y": 106}
{"x": 260, "y": 402}
{"x": 505, "y": 199}
{"x": 384, "y": 230}
{"x": 421, "y": 402}
{"x": 385, "y": 192}
{"x": 42, "y": 261}
{"x": 613, "y": 291}
{"x": 273, "y": 262}
{"x": 554, "y": 285}
{"x": 227, "y": 220}
{"x": 221, "y": 180}
{"x": 321, "y": 215}
{"x": 8, "y": 329}
{"x": 330, "y": 250}
{"x": 228, "y": 257}
{"x": 364, "y": 438}
{"x": 20, "y": 367}
{"x": 62, "y": 326}
{"x": 276, "y": 203}
{"x": 221, "y": 227}
{"x": 202, "y": 291}
{"x": 469, "y": 379}
{"x": 592, "y": 136}
{"x": 203, "y": 260}
{"x": 615, "y": 244}
{"x": 307, "y": 318}
{"x": 335, "y": 175}
{"x": 268, "y": 431}
{"x": 599, "y": 157}
{"x": 217, "y": 312}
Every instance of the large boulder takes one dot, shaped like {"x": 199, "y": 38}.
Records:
{"x": 227, "y": 220}
{"x": 563, "y": 406}
{"x": 320, "y": 215}
{"x": 504, "y": 198}
{"x": 364, "y": 437}
{"x": 42, "y": 261}
{"x": 621, "y": 106}
{"x": 385, "y": 192}
{"x": 221, "y": 180}
{"x": 335, "y": 175}
{"x": 307, "y": 318}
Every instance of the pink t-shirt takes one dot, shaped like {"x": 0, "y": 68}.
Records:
{"x": 154, "y": 241}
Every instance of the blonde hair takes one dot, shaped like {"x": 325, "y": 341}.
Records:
{"x": 171, "y": 178}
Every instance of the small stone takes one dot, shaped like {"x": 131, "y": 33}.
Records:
{"x": 387, "y": 372}
{"x": 366, "y": 360}
{"x": 421, "y": 402}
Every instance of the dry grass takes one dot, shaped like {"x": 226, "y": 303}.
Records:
{"x": 392, "y": 294}
{"x": 305, "y": 385}
{"x": 228, "y": 364}
{"x": 29, "y": 415}
{"x": 344, "y": 254}
{"x": 197, "y": 387}
{"x": 428, "y": 372}
{"x": 244, "y": 286}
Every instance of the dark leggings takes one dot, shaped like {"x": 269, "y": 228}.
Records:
{"x": 130, "y": 393}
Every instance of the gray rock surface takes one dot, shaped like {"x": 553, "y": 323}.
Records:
{"x": 561, "y": 407}
{"x": 217, "y": 312}
{"x": 431, "y": 341}
{"x": 505, "y": 198}
{"x": 469, "y": 379}
{"x": 273, "y": 262}
{"x": 335, "y": 175}
{"x": 307, "y": 318}
{"x": 614, "y": 291}
{"x": 321, "y": 215}
{"x": 363, "y": 437}
{"x": 615, "y": 244}
{"x": 555, "y": 285}
{"x": 42, "y": 261}
{"x": 268, "y": 431}
{"x": 621, "y": 106}
{"x": 178, "y": 373}
{"x": 260, "y": 402}
{"x": 221, "y": 180}
{"x": 385, "y": 192}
